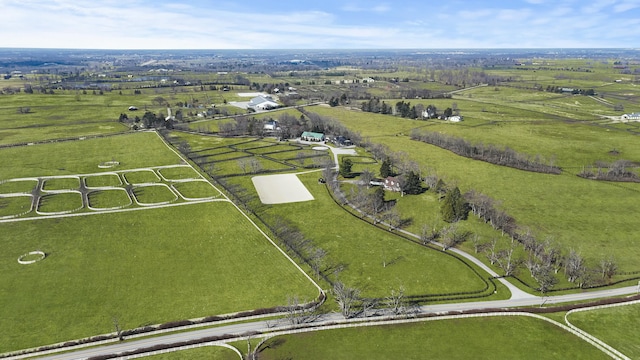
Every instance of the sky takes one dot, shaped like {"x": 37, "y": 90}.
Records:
{"x": 319, "y": 24}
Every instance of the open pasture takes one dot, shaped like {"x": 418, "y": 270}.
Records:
{"x": 140, "y": 267}
{"x": 593, "y": 217}
{"x": 616, "y": 326}
{"x": 475, "y": 338}
{"x": 370, "y": 258}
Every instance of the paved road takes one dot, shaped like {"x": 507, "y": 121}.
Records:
{"x": 332, "y": 318}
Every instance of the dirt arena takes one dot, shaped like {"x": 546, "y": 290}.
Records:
{"x": 281, "y": 189}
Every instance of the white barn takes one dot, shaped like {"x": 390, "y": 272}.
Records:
{"x": 262, "y": 102}
{"x": 631, "y": 117}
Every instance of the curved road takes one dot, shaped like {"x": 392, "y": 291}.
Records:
{"x": 331, "y": 318}
{"x": 518, "y": 298}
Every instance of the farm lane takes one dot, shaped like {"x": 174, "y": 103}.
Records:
{"x": 330, "y": 319}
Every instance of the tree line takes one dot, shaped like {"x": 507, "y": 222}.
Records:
{"x": 489, "y": 153}
{"x": 619, "y": 170}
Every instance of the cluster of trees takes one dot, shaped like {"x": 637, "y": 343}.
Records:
{"x": 489, "y": 153}
{"x": 619, "y": 170}
{"x": 560, "y": 89}
{"x": 149, "y": 120}
{"x": 406, "y": 110}
{"x": 454, "y": 206}
{"x": 376, "y": 106}
{"x": 544, "y": 258}
{"x": 339, "y": 100}
{"x": 303, "y": 247}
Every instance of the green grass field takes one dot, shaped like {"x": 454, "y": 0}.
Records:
{"x": 476, "y": 338}
{"x": 143, "y": 267}
{"x": 207, "y": 352}
{"x": 595, "y": 218}
{"x": 616, "y": 326}
{"x": 364, "y": 250}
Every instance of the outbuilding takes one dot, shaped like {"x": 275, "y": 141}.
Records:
{"x": 312, "y": 136}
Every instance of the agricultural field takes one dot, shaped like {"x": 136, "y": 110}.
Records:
{"x": 107, "y": 265}
{"x": 123, "y": 230}
{"x": 616, "y": 326}
{"x": 566, "y": 208}
{"x": 510, "y": 338}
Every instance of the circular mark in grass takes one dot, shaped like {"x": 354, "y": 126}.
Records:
{"x": 108, "y": 164}
{"x": 31, "y": 257}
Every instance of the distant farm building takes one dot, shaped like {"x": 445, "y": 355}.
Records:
{"x": 271, "y": 125}
{"x": 392, "y": 183}
{"x": 631, "y": 117}
{"x": 312, "y": 136}
{"x": 262, "y": 102}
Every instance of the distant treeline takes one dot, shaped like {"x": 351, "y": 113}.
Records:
{"x": 489, "y": 153}
{"x": 616, "y": 171}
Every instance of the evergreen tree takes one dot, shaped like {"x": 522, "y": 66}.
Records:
{"x": 385, "y": 169}
{"x": 412, "y": 184}
{"x": 345, "y": 168}
{"x": 454, "y": 207}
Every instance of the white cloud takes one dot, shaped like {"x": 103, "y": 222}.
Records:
{"x": 137, "y": 24}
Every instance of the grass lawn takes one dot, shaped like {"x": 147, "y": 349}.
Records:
{"x": 144, "y": 267}
{"x": 476, "y": 338}
{"x": 103, "y": 180}
{"x": 108, "y": 199}
{"x": 18, "y": 186}
{"x": 141, "y": 177}
{"x": 364, "y": 250}
{"x": 195, "y": 189}
{"x": 53, "y": 203}
{"x": 179, "y": 173}
{"x": 132, "y": 150}
{"x": 63, "y": 183}
{"x": 14, "y": 205}
{"x": 586, "y": 215}
{"x": 206, "y": 352}
{"x": 616, "y": 326}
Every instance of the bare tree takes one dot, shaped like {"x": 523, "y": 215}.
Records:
{"x": 544, "y": 276}
{"x": 575, "y": 266}
{"x": 366, "y": 176}
{"x": 316, "y": 260}
{"x": 395, "y": 301}
{"x": 243, "y": 164}
{"x": 491, "y": 251}
{"x": 346, "y": 298}
{"x": 608, "y": 268}
{"x": 255, "y": 164}
{"x": 506, "y": 260}
{"x": 116, "y": 325}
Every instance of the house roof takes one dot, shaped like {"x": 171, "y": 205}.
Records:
{"x": 313, "y": 135}
{"x": 262, "y": 101}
